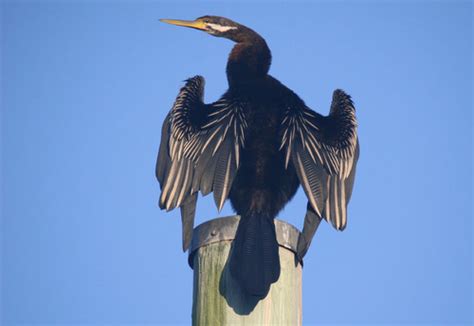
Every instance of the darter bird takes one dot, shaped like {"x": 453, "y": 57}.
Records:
{"x": 255, "y": 145}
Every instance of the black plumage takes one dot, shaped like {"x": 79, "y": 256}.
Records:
{"x": 255, "y": 146}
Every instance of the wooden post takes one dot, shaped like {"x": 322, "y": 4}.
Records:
{"x": 218, "y": 300}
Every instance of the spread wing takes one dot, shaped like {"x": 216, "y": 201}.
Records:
{"x": 199, "y": 151}
{"x": 324, "y": 153}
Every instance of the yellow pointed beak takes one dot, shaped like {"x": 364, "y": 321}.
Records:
{"x": 197, "y": 24}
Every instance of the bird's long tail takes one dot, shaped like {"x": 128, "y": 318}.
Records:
{"x": 255, "y": 262}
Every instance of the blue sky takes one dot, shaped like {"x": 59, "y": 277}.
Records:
{"x": 86, "y": 85}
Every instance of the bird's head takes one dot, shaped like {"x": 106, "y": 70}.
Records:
{"x": 214, "y": 25}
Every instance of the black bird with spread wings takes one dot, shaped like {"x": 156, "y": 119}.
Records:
{"x": 255, "y": 146}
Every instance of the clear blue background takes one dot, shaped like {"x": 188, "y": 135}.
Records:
{"x": 86, "y": 85}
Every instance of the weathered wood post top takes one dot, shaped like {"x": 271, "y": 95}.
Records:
{"x": 218, "y": 299}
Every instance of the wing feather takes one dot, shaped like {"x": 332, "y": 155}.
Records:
{"x": 164, "y": 160}
{"x": 324, "y": 153}
{"x": 225, "y": 171}
{"x": 207, "y": 178}
{"x": 188, "y": 211}
{"x": 199, "y": 150}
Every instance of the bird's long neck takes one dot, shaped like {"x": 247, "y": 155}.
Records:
{"x": 249, "y": 60}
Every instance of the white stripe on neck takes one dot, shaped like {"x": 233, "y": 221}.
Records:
{"x": 220, "y": 28}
